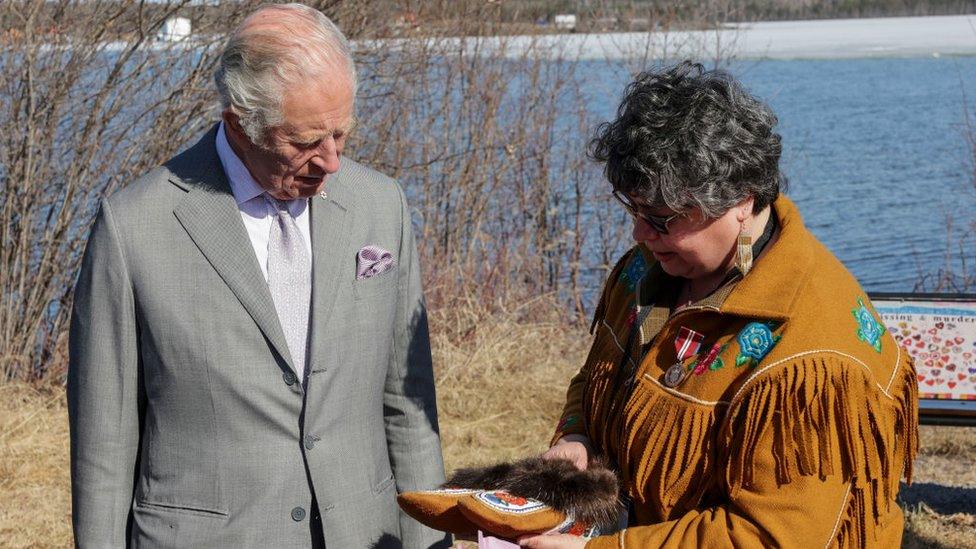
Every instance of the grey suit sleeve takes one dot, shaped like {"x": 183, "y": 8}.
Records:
{"x": 103, "y": 395}
{"x": 409, "y": 403}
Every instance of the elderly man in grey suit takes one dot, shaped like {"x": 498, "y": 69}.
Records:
{"x": 250, "y": 364}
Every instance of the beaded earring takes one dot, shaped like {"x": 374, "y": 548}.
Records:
{"x": 743, "y": 251}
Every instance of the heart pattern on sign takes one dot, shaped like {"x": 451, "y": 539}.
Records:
{"x": 944, "y": 352}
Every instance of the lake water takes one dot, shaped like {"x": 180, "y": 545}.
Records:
{"x": 876, "y": 153}
{"x": 875, "y": 149}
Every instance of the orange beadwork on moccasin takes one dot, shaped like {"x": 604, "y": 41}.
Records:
{"x": 501, "y": 514}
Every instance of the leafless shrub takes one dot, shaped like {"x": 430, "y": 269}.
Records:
{"x": 487, "y": 136}
{"x": 957, "y": 274}
{"x": 86, "y": 104}
{"x": 485, "y": 131}
{"x": 90, "y": 98}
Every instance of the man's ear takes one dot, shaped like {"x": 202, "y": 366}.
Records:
{"x": 232, "y": 123}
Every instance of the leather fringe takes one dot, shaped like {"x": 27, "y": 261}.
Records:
{"x": 828, "y": 418}
{"x": 669, "y": 468}
{"x": 854, "y": 523}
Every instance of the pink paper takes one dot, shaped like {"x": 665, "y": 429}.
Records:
{"x": 488, "y": 542}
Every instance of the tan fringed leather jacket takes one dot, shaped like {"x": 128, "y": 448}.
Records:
{"x": 789, "y": 425}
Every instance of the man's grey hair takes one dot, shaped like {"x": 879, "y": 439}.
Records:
{"x": 274, "y": 48}
{"x": 687, "y": 138}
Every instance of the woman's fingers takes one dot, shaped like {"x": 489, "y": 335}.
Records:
{"x": 573, "y": 451}
{"x": 575, "y": 448}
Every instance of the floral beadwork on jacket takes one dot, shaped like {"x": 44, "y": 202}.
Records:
{"x": 711, "y": 361}
{"x": 755, "y": 342}
{"x": 567, "y": 421}
{"x": 634, "y": 271}
{"x": 869, "y": 329}
{"x": 632, "y": 315}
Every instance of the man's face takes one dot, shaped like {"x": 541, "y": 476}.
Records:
{"x": 299, "y": 154}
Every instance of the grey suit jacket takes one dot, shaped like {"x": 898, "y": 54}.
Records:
{"x": 188, "y": 428}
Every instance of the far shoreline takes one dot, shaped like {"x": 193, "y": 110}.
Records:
{"x": 883, "y": 37}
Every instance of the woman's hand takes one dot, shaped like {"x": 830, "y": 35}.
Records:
{"x": 557, "y": 541}
{"x": 575, "y": 448}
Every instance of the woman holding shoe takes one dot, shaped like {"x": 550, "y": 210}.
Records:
{"x": 739, "y": 381}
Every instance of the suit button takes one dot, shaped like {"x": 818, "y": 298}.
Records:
{"x": 289, "y": 377}
{"x": 298, "y": 514}
{"x": 309, "y": 442}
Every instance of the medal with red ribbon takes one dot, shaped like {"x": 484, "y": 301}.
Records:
{"x": 686, "y": 344}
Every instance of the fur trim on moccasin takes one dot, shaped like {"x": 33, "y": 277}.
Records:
{"x": 590, "y": 496}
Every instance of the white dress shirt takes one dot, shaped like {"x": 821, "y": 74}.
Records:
{"x": 256, "y": 212}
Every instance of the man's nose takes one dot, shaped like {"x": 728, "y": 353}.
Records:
{"x": 643, "y": 232}
{"x": 327, "y": 156}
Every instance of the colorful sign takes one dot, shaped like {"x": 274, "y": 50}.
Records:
{"x": 941, "y": 336}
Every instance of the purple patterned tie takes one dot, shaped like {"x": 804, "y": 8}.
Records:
{"x": 290, "y": 281}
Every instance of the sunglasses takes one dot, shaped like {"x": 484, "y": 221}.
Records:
{"x": 657, "y": 222}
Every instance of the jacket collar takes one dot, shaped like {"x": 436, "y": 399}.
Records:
{"x": 771, "y": 288}
{"x": 242, "y": 183}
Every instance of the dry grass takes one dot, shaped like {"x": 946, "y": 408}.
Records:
{"x": 501, "y": 379}
{"x": 35, "y": 496}
{"x": 940, "y": 505}
{"x": 501, "y": 383}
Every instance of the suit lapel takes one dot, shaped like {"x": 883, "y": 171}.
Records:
{"x": 330, "y": 228}
{"x": 210, "y": 215}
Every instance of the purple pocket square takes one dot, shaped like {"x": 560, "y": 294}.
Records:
{"x": 372, "y": 261}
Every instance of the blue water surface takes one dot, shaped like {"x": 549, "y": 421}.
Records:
{"x": 876, "y": 153}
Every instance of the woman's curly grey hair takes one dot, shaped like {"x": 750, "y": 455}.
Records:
{"x": 261, "y": 60}
{"x": 687, "y": 138}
